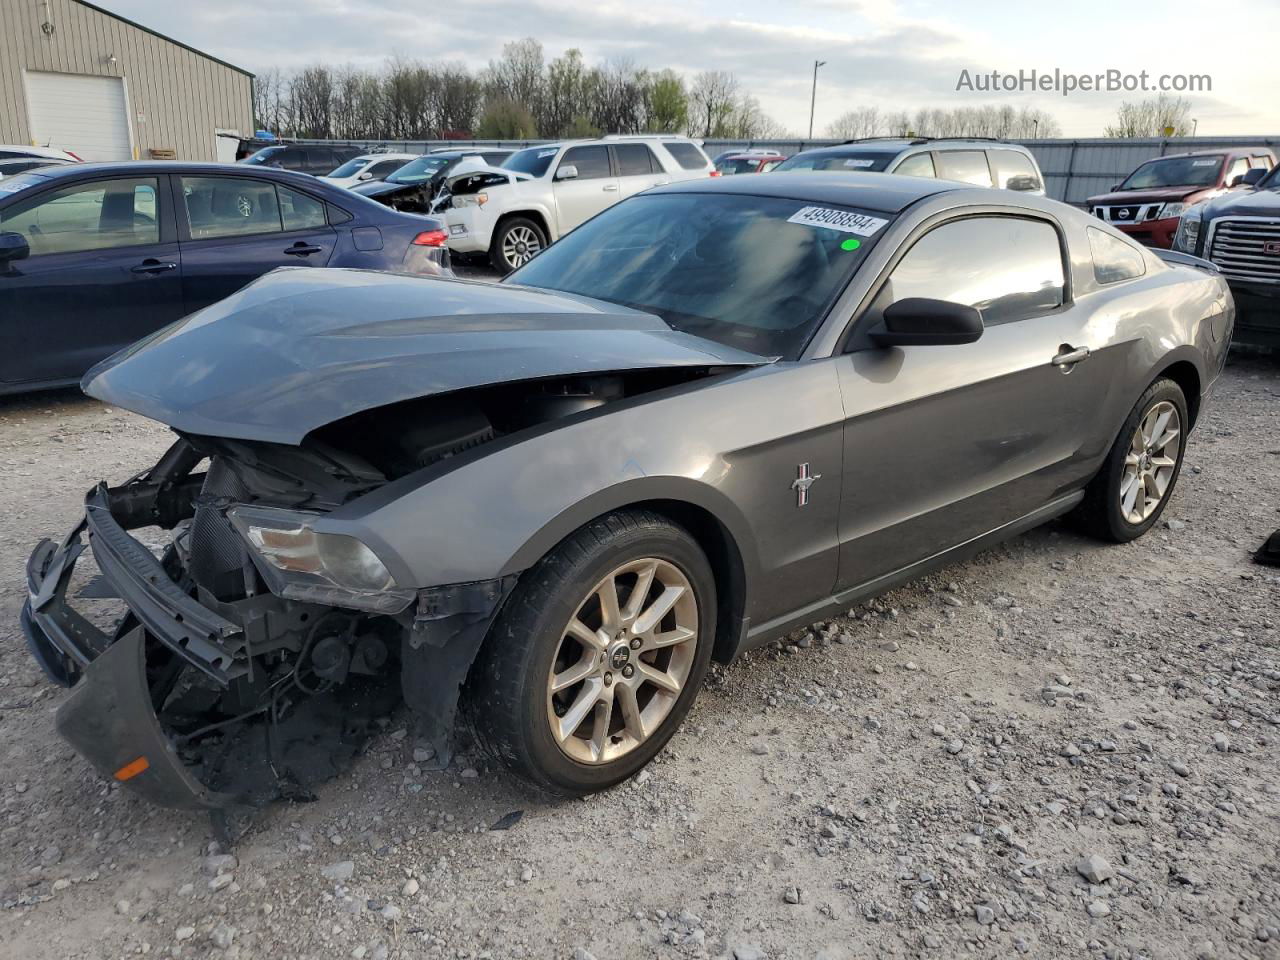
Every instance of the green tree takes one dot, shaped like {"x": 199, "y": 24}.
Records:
{"x": 668, "y": 103}
{"x": 505, "y": 119}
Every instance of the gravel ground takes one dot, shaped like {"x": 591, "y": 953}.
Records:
{"x": 1058, "y": 749}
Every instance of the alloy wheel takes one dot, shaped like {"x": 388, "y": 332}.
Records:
{"x": 1151, "y": 462}
{"x": 520, "y": 245}
{"x": 622, "y": 661}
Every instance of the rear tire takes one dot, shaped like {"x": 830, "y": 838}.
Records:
{"x": 576, "y": 696}
{"x": 515, "y": 242}
{"x": 1136, "y": 481}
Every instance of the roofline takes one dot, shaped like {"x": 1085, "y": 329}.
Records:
{"x": 168, "y": 39}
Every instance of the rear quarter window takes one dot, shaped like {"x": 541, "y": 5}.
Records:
{"x": 1113, "y": 259}
{"x": 687, "y": 155}
{"x": 967, "y": 166}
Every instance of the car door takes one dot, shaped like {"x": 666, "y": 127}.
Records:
{"x": 593, "y": 189}
{"x": 638, "y": 169}
{"x": 104, "y": 270}
{"x": 234, "y": 229}
{"x": 946, "y": 443}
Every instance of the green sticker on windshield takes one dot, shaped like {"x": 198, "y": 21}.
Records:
{"x": 853, "y": 243}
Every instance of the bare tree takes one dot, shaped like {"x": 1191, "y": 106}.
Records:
{"x": 711, "y": 102}
{"x": 312, "y": 93}
{"x": 517, "y": 76}
{"x": 862, "y": 122}
{"x": 1152, "y": 118}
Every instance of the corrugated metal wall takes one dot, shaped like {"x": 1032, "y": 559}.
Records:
{"x": 1074, "y": 170}
{"x": 177, "y": 97}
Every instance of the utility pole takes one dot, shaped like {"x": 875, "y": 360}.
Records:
{"x": 1194, "y": 123}
{"x": 813, "y": 97}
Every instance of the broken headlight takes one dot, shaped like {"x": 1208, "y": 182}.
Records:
{"x": 300, "y": 564}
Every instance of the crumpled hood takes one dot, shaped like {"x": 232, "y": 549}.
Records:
{"x": 301, "y": 347}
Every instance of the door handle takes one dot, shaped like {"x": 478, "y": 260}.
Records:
{"x": 1068, "y": 356}
{"x": 610, "y": 187}
{"x": 301, "y": 249}
{"x": 153, "y": 266}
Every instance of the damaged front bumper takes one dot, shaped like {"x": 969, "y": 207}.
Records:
{"x": 109, "y": 718}
{"x": 115, "y": 716}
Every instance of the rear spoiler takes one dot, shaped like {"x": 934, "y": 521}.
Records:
{"x": 1177, "y": 259}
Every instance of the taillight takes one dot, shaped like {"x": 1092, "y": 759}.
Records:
{"x": 431, "y": 238}
{"x": 714, "y": 173}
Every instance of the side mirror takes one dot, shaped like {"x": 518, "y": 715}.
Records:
{"x": 13, "y": 246}
{"x": 365, "y": 176}
{"x": 567, "y": 172}
{"x": 920, "y": 321}
{"x": 1023, "y": 181}
{"x": 1115, "y": 187}
{"x": 1249, "y": 177}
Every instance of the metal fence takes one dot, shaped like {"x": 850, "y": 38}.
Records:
{"x": 1074, "y": 170}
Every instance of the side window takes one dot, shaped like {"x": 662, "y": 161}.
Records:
{"x": 230, "y": 207}
{"x": 1010, "y": 268}
{"x": 299, "y": 211}
{"x": 320, "y": 158}
{"x": 384, "y": 168}
{"x": 1261, "y": 163}
{"x": 1113, "y": 259}
{"x": 592, "y": 162}
{"x": 494, "y": 159}
{"x": 635, "y": 159}
{"x": 1237, "y": 169}
{"x": 686, "y": 154}
{"x": 916, "y": 165}
{"x": 89, "y": 216}
{"x": 967, "y": 166}
{"x": 1014, "y": 170}
{"x": 769, "y": 165}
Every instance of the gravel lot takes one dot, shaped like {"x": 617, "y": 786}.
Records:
{"x": 1059, "y": 749}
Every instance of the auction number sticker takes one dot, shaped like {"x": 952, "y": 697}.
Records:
{"x": 843, "y": 220}
{"x": 859, "y": 164}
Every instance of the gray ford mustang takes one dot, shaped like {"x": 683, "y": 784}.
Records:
{"x": 716, "y": 412}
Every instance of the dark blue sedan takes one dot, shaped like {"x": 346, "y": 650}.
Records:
{"x": 94, "y": 256}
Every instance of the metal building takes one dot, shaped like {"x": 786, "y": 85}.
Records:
{"x": 80, "y": 78}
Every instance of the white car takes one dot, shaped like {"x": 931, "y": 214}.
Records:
{"x": 367, "y": 167}
{"x": 19, "y": 159}
{"x": 541, "y": 193}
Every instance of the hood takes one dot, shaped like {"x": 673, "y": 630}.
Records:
{"x": 300, "y": 348}
{"x": 1244, "y": 203}
{"x": 1154, "y": 195}
{"x": 377, "y": 188}
{"x": 476, "y": 167}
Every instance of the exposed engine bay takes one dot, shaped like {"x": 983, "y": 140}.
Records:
{"x": 270, "y": 653}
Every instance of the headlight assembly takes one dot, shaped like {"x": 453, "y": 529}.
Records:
{"x": 1170, "y": 210}
{"x": 1188, "y": 236}
{"x": 300, "y": 564}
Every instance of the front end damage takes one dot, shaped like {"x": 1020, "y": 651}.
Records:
{"x": 255, "y": 658}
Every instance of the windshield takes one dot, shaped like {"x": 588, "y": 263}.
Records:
{"x": 1175, "y": 172}
{"x": 263, "y": 155}
{"x": 18, "y": 182}
{"x": 756, "y": 273}
{"x": 845, "y": 160}
{"x": 533, "y": 161}
{"x": 415, "y": 171}
{"x": 350, "y": 168}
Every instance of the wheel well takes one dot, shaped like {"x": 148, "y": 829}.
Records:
{"x": 533, "y": 215}
{"x": 726, "y": 563}
{"x": 1185, "y": 375}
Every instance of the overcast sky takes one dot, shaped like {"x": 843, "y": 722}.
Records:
{"x": 893, "y": 54}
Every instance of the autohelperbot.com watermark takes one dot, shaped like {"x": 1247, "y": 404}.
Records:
{"x": 1066, "y": 83}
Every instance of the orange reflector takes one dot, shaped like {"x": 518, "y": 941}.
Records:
{"x": 132, "y": 769}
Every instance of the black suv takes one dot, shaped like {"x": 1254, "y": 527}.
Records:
{"x": 304, "y": 157}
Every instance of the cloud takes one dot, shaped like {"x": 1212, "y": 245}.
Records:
{"x": 877, "y": 52}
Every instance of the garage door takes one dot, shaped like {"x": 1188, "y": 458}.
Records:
{"x": 86, "y": 115}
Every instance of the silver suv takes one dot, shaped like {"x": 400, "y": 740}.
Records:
{"x": 980, "y": 161}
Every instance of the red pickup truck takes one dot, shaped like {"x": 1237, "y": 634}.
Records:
{"x": 1150, "y": 201}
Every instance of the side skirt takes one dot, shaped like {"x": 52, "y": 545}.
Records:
{"x": 758, "y": 636}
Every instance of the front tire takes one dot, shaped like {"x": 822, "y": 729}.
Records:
{"x": 598, "y": 656}
{"x": 515, "y": 242}
{"x": 1136, "y": 481}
